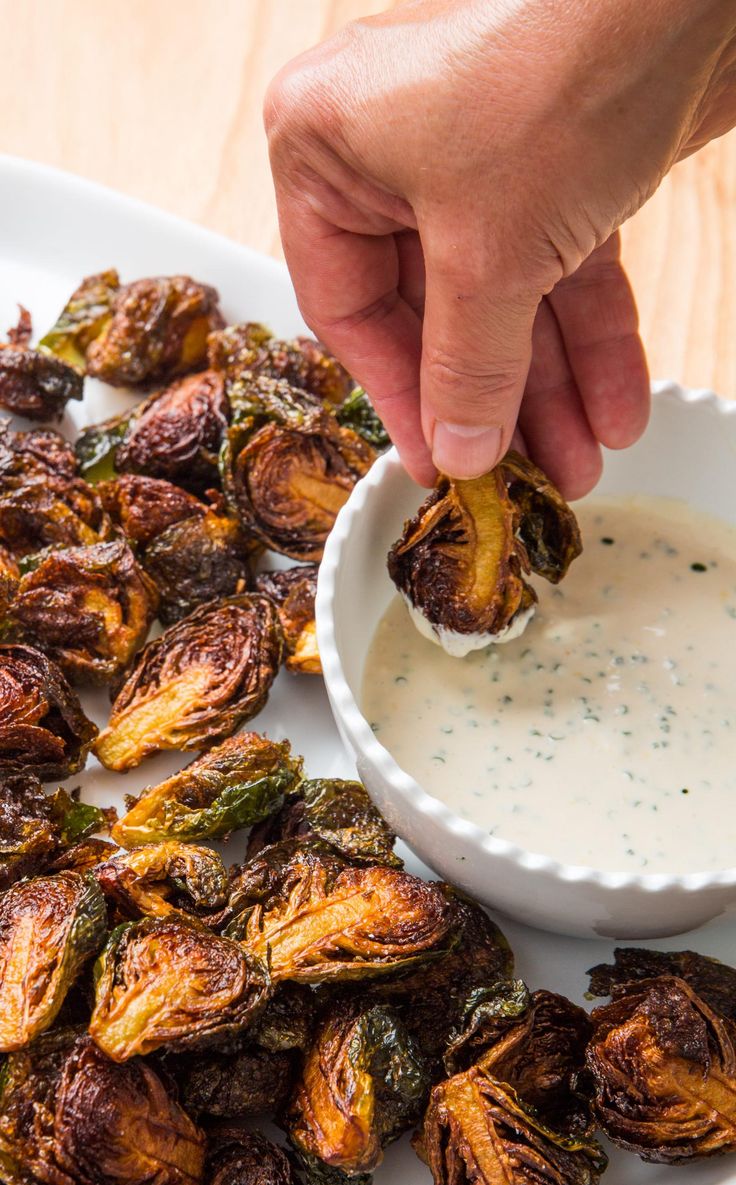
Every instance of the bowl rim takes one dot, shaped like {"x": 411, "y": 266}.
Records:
{"x": 406, "y": 788}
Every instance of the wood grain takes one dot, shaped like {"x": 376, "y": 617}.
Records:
{"x": 162, "y": 99}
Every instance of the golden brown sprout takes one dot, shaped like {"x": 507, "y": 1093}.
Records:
{"x": 159, "y": 878}
{"x": 288, "y": 467}
{"x": 31, "y": 383}
{"x": 337, "y": 812}
{"x": 317, "y": 925}
{"x": 238, "y": 1157}
{"x": 44, "y": 511}
{"x": 70, "y": 1116}
{"x": 476, "y": 1132}
{"x": 240, "y": 351}
{"x": 85, "y": 315}
{"x": 195, "y": 684}
{"x": 363, "y": 1083}
{"x": 88, "y": 608}
{"x": 462, "y": 560}
{"x": 664, "y": 1072}
{"x": 293, "y": 591}
{"x": 143, "y": 507}
{"x": 49, "y": 928}
{"x": 713, "y": 981}
{"x": 43, "y": 729}
{"x": 235, "y": 784}
{"x": 169, "y": 981}
{"x": 25, "y": 453}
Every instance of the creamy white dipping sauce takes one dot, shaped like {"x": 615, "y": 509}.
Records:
{"x": 605, "y": 734}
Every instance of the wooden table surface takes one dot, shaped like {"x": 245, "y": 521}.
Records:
{"x": 162, "y": 99}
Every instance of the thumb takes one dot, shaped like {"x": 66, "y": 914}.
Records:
{"x": 476, "y": 350}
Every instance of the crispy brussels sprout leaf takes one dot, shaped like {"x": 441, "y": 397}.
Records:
{"x": 79, "y": 820}
{"x": 46, "y": 511}
{"x": 488, "y": 1014}
{"x": 476, "y": 1130}
{"x": 713, "y": 981}
{"x": 293, "y": 591}
{"x": 32, "y": 384}
{"x": 288, "y": 467}
{"x": 169, "y": 981}
{"x": 143, "y": 507}
{"x": 195, "y": 684}
{"x": 49, "y": 928}
{"x": 23, "y": 454}
{"x": 197, "y": 560}
{"x": 83, "y": 856}
{"x": 161, "y": 877}
{"x": 664, "y": 1072}
{"x": 82, "y": 319}
{"x": 238, "y": 1157}
{"x": 461, "y": 562}
{"x": 353, "y": 925}
{"x": 96, "y": 444}
{"x": 241, "y": 351}
{"x": 233, "y": 785}
{"x": 338, "y": 812}
{"x": 43, "y": 729}
{"x": 362, "y": 1085}
{"x": 88, "y": 608}
{"x": 176, "y": 434}
{"x": 357, "y": 412}
{"x": 70, "y": 1116}
{"x": 28, "y": 832}
{"x": 253, "y": 1081}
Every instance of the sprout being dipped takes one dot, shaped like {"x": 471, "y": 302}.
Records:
{"x": 195, "y": 684}
{"x": 293, "y": 591}
{"x": 462, "y": 561}
{"x": 32, "y": 384}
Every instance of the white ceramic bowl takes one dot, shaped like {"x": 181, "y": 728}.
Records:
{"x": 688, "y": 451}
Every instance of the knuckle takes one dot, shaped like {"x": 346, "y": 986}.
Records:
{"x": 466, "y": 388}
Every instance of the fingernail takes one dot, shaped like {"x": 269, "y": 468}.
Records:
{"x": 464, "y": 451}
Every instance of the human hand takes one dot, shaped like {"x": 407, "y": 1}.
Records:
{"x": 450, "y": 178}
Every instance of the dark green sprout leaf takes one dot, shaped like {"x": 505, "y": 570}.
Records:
{"x": 233, "y": 785}
{"x": 43, "y": 729}
{"x": 170, "y": 982}
{"x": 476, "y": 1129}
{"x": 79, "y": 820}
{"x": 713, "y": 981}
{"x": 96, "y": 445}
{"x": 237, "y": 1157}
{"x": 197, "y": 683}
{"x": 82, "y": 319}
{"x": 357, "y": 412}
{"x": 70, "y": 1116}
{"x": 338, "y": 812}
{"x": 488, "y": 1013}
{"x": 664, "y": 1072}
{"x": 363, "y": 1083}
{"x": 49, "y": 928}
{"x": 158, "y": 878}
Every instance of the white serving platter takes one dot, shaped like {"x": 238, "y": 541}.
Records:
{"x": 55, "y": 229}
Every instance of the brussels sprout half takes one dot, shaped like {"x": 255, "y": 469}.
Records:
{"x": 32, "y": 384}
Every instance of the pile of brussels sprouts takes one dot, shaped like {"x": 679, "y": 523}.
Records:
{"x": 151, "y": 998}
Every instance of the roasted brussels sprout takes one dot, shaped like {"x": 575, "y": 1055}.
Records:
{"x": 358, "y": 413}
{"x": 143, "y": 507}
{"x": 49, "y": 928}
{"x": 88, "y": 608}
{"x": 318, "y": 922}
{"x": 238, "y": 1157}
{"x": 461, "y": 562}
{"x": 287, "y": 1021}
{"x": 83, "y": 856}
{"x": 713, "y": 981}
{"x": 44, "y": 511}
{"x": 9, "y": 581}
{"x": 70, "y": 1116}
{"x": 253, "y": 1081}
{"x": 241, "y": 351}
{"x": 161, "y": 877}
{"x": 138, "y": 333}
{"x": 233, "y": 785}
{"x": 25, "y": 453}
{"x": 28, "y": 832}
{"x": 32, "y": 384}
{"x": 363, "y": 1083}
{"x": 198, "y": 560}
{"x": 43, "y": 729}
{"x": 476, "y": 1129}
{"x": 339, "y": 813}
{"x": 82, "y": 319}
{"x": 664, "y": 1072}
{"x": 288, "y": 467}
{"x": 293, "y": 591}
{"x": 197, "y": 683}
{"x": 169, "y": 981}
